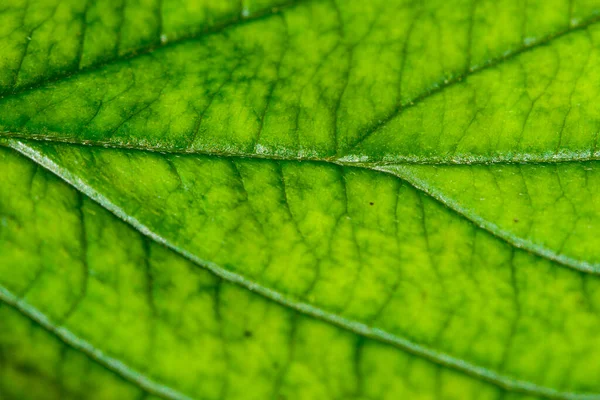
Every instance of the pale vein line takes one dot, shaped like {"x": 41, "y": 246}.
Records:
{"x": 419, "y": 184}
{"x": 495, "y": 378}
{"x": 73, "y": 341}
{"x": 502, "y": 234}
{"x": 522, "y": 158}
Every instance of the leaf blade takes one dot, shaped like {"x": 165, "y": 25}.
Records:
{"x": 251, "y": 99}
{"x": 232, "y": 269}
{"x": 177, "y": 283}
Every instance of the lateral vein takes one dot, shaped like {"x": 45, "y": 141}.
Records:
{"x": 76, "y": 343}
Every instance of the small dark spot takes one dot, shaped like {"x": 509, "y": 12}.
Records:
{"x": 247, "y": 334}
{"x": 371, "y": 204}
{"x": 516, "y": 220}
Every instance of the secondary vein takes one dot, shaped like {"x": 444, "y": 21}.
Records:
{"x": 473, "y": 71}
{"x": 136, "y": 53}
{"x": 76, "y": 343}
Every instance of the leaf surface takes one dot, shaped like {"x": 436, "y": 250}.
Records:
{"x": 347, "y": 165}
{"x": 92, "y": 294}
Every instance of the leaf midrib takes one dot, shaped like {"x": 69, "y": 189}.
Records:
{"x": 521, "y": 159}
{"x": 419, "y": 184}
{"x": 502, "y": 381}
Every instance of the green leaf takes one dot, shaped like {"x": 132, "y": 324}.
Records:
{"x": 310, "y": 200}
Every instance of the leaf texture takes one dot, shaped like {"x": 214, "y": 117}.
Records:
{"x": 300, "y": 200}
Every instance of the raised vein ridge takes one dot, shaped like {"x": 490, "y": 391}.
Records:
{"x": 422, "y": 186}
{"x": 523, "y": 158}
{"x": 76, "y": 343}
